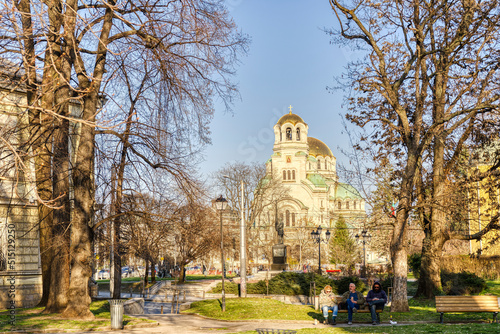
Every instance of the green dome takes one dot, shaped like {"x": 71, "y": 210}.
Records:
{"x": 345, "y": 190}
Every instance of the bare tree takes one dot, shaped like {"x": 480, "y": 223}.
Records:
{"x": 78, "y": 45}
{"x": 262, "y": 191}
{"x": 426, "y": 84}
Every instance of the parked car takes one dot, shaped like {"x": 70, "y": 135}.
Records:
{"x": 103, "y": 274}
{"x": 126, "y": 272}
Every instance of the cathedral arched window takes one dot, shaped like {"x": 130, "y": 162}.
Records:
{"x": 298, "y": 134}
{"x": 339, "y": 205}
{"x": 293, "y": 219}
{"x": 319, "y": 164}
{"x": 281, "y": 136}
{"x": 287, "y": 218}
{"x": 293, "y": 174}
{"x": 289, "y": 175}
{"x": 288, "y": 133}
{"x": 326, "y": 167}
{"x": 355, "y": 205}
{"x": 284, "y": 175}
{"x": 347, "y": 205}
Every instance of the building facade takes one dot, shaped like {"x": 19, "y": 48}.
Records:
{"x": 20, "y": 268}
{"x": 307, "y": 168}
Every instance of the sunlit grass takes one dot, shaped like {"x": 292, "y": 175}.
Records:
{"x": 410, "y": 329}
{"x": 262, "y": 308}
{"x": 32, "y": 318}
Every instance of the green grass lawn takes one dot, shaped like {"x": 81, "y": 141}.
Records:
{"x": 32, "y": 318}
{"x": 407, "y": 329}
{"x": 260, "y": 308}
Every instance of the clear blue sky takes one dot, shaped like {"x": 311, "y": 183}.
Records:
{"x": 291, "y": 62}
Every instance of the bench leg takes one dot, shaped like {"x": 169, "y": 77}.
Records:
{"x": 441, "y": 318}
{"x": 495, "y": 316}
{"x": 378, "y": 317}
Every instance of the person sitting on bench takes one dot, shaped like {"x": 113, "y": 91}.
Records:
{"x": 354, "y": 300}
{"x": 376, "y": 298}
{"x": 327, "y": 302}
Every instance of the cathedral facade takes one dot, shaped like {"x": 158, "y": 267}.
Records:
{"x": 315, "y": 196}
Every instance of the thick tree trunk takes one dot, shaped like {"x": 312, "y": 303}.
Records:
{"x": 59, "y": 272}
{"x": 60, "y": 269}
{"x": 182, "y": 276}
{"x": 435, "y": 233}
{"x": 429, "y": 282}
{"x": 81, "y": 233}
{"x": 398, "y": 242}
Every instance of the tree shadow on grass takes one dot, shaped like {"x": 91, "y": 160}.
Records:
{"x": 315, "y": 315}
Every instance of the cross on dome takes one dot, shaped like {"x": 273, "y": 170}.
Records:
{"x": 290, "y": 108}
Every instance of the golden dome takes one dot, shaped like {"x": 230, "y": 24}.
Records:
{"x": 292, "y": 118}
{"x": 317, "y": 147}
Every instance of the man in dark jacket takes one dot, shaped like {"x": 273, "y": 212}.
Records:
{"x": 354, "y": 300}
{"x": 376, "y": 298}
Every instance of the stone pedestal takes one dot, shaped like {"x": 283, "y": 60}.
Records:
{"x": 279, "y": 258}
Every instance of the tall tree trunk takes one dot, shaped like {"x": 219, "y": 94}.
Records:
{"x": 57, "y": 300}
{"x": 120, "y": 175}
{"x": 435, "y": 233}
{"x": 398, "y": 243}
{"x": 81, "y": 233}
{"x": 146, "y": 281}
{"x": 182, "y": 276}
{"x": 40, "y": 142}
{"x": 60, "y": 269}
{"x": 153, "y": 272}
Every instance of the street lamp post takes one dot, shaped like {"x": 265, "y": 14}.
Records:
{"x": 243, "y": 260}
{"x": 221, "y": 204}
{"x": 365, "y": 237}
{"x": 316, "y": 236}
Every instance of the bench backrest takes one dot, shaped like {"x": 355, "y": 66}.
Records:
{"x": 467, "y": 303}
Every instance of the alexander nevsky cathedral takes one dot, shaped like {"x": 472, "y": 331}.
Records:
{"x": 307, "y": 167}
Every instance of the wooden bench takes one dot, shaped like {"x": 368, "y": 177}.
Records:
{"x": 447, "y": 304}
{"x": 364, "y": 309}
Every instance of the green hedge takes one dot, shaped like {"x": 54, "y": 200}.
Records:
{"x": 463, "y": 283}
{"x": 291, "y": 284}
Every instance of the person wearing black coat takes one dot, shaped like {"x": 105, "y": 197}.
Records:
{"x": 376, "y": 299}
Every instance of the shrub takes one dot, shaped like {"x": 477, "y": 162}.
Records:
{"x": 463, "y": 283}
{"x": 290, "y": 283}
{"x": 487, "y": 267}
{"x": 343, "y": 284}
{"x": 286, "y": 283}
{"x": 414, "y": 261}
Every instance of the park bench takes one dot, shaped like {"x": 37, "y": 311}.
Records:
{"x": 448, "y": 304}
{"x": 365, "y": 309}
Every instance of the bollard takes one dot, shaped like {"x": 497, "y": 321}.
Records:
{"x": 116, "y": 310}
{"x": 184, "y": 299}
{"x": 173, "y": 303}
{"x": 130, "y": 292}
{"x": 162, "y": 309}
{"x": 316, "y": 303}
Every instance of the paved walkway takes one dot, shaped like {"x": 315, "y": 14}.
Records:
{"x": 191, "y": 324}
